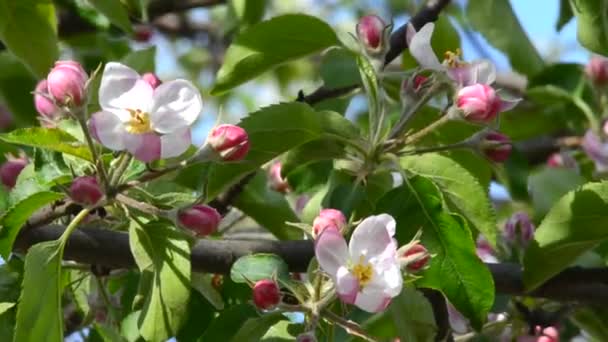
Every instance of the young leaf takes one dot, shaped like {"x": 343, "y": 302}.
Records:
{"x": 575, "y": 225}
{"x": 418, "y": 327}
{"x": 498, "y": 24}
{"x": 159, "y": 248}
{"x": 52, "y": 139}
{"x": 591, "y": 24}
{"x": 565, "y": 14}
{"x": 339, "y": 68}
{"x": 16, "y": 85}
{"x": 39, "y": 313}
{"x": 257, "y": 201}
{"x": 115, "y": 12}
{"x": 12, "y": 221}
{"x": 455, "y": 269}
{"x": 257, "y": 267}
{"x": 248, "y": 12}
{"x": 225, "y": 326}
{"x": 142, "y": 61}
{"x": 29, "y": 29}
{"x": 461, "y": 190}
{"x": 269, "y": 44}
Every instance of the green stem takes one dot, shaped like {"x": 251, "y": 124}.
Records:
{"x": 350, "y": 327}
{"x": 141, "y": 206}
{"x": 426, "y": 130}
{"x": 462, "y": 144}
{"x": 73, "y": 225}
{"x": 96, "y": 158}
{"x": 407, "y": 115}
{"x": 123, "y": 164}
{"x": 106, "y": 299}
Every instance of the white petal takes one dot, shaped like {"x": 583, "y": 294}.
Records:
{"x": 410, "y": 32}
{"x": 176, "y": 143}
{"x": 509, "y": 104}
{"x": 331, "y": 251}
{"x": 347, "y": 285}
{"x": 484, "y": 71}
{"x": 122, "y": 88}
{"x": 373, "y": 237}
{"x": 372, "y": 301}
{"x": 177, "y": 104}
{"x": 108, "y": 129}
{"x": 421, "y": 50}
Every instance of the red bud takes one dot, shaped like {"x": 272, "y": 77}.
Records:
{"x": 266, "y": 294}
{"x": 229, "y": 141}
{"x": 85, "y": 190}
{"x": 201, "y": 219}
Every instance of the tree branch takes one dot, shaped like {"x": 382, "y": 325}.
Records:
{"x": 111, "y": 249}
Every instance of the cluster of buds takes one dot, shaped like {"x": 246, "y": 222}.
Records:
{"x": 64, "y": 86}
{"x": 373, "y": 34}
{"x": 200, "y": 219}
{"x": 266, "y": 294}
{"x": 328, "y": 219}
{"x": 10, "y": 170}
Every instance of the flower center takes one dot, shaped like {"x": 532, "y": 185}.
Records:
{"x": 363, "y": 272}
{"x": 452, "y": 59}
{"x": 140, "y": 122}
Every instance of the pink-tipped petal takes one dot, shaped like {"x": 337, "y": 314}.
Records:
{"x": 108, "y": 129}
{"x": 331, "y": 251}
{"x": 176, "y": 143}
{"x": 176, "y": 104}
{"x": 347, "y": 285}
{"x": 144, "y": 147}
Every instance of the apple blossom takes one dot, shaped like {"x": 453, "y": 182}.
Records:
{"x": 201, "y": 219}
{"x": 496, "y": 146}
{"x": 372, "y": 33}
{"x": 10, "y": 170}
{"x": 519, "y": 230}
{"x": 266, "y": 294}
{"x": 597, "y": 70}
{"x": 149, "y": 123}
{"x": 366, "y": 273}
{"x": 276, "y": 180}
{"x": 86, "y": 190}
{"x": 231, "y": 142}
{"x": 66, "y": 83}
{"x": 328, "y": 219}
{"x": 44, "y": 105}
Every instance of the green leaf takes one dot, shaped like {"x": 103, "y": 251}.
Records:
{"x": 142, "y": 61}
{"x": 32, "y": 180}
{"x": 115, "y": 12}
{"x": 574, "y": 225}
{"x": 39, "y": 313}
{"x": 248, "y": 12}
{"x": 12, "y": 221}
{"x": 454, "y": 269}
{"x": 161, "y": 249}
{"x": 548, "y": 185}
{"x": 445, "y": 38}
{"x": 461, "y": 190}
{"x": 16, "y": 85}
{"x": 565, "y": 14}
{"x": 29, "y": 29}
{"x": 201, "y": 282}
{"x": 272, "y": 131}
{"x": 257, "y": 200}
{"x": 52, "y": 139}
{"x": 269, "y": 44}
{"x": 339, "y": 68}
{"x": 314, "y": 151}
{"x": 259, "y": 266}
{"x": 5, "y": 306}
{"x": 592, "y": 24}
{"x": 593, "y": 320}
{"x": 419, "y": 327}
{"x": 225, "y": 326}
{"x": 255, "y": 328}
{"x": 499, "y": 25}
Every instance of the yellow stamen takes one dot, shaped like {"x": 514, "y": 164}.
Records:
{"x": 140, "y": 122}
{"x": 452, "y": 59}
{"x": 363, "y": 272}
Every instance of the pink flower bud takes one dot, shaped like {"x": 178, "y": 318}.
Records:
{"x": 496, "y": 146}
{"x": 328, "y": 219}
{"x": 421, "y": 259}
{"x": 152, "y": 79}
{"x": 306, "y": 337}
{"x": 6, "y": 118}
{"x": 419, "y": 81}
{"x": 44, "y": 105}
{"x": 10, "y": 170}
{"x": 66, "y": 82}
{"x": 562, "y": 159}
{"x": 370, "y": 31}
{"x": 85, "y": 190}
{"x": 519, "y": 230}
{"x": 229, "y": 141}
{"x": 266, "y": 294}
{"x": 597, "y": 70}
{"x": 275, "y": 180}
{"x": 479, "y": 102}
{"x": 142, "y": 33}
{"x": 201, "y": 219}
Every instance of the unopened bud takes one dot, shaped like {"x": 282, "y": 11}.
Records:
{"x": 151, "y": 79}
{"x": 10, "y": 170}
{"x": 414, "y": 257}
{"x": 479, "y": 103}
{"x": 372, "y": 33}
{"x": 597, "y": 70}
{"x": 266, "y": 294}
{"x": 276, "y": 180}
{"x": 43, "y": 104}
{"x": 496, "y": 146}
{"x": 200, "y": 219}
{"x": 307, "y": 337}
{"x": 85, "y": 190}
{"x": 561, "y": 159}
{"x": 519, "y": 230}
{"x": 66, "y": 83}
{"x": 229, "y": 141}
{"x": 142, "y": 33}
{"x": 6, "y": 118}
{"x": 328, "y": 219}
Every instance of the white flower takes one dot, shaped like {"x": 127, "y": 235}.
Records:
{"x": 366, "y": 273}
{"x": 464, "y": 74}
{"x": 149, "y": 123}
